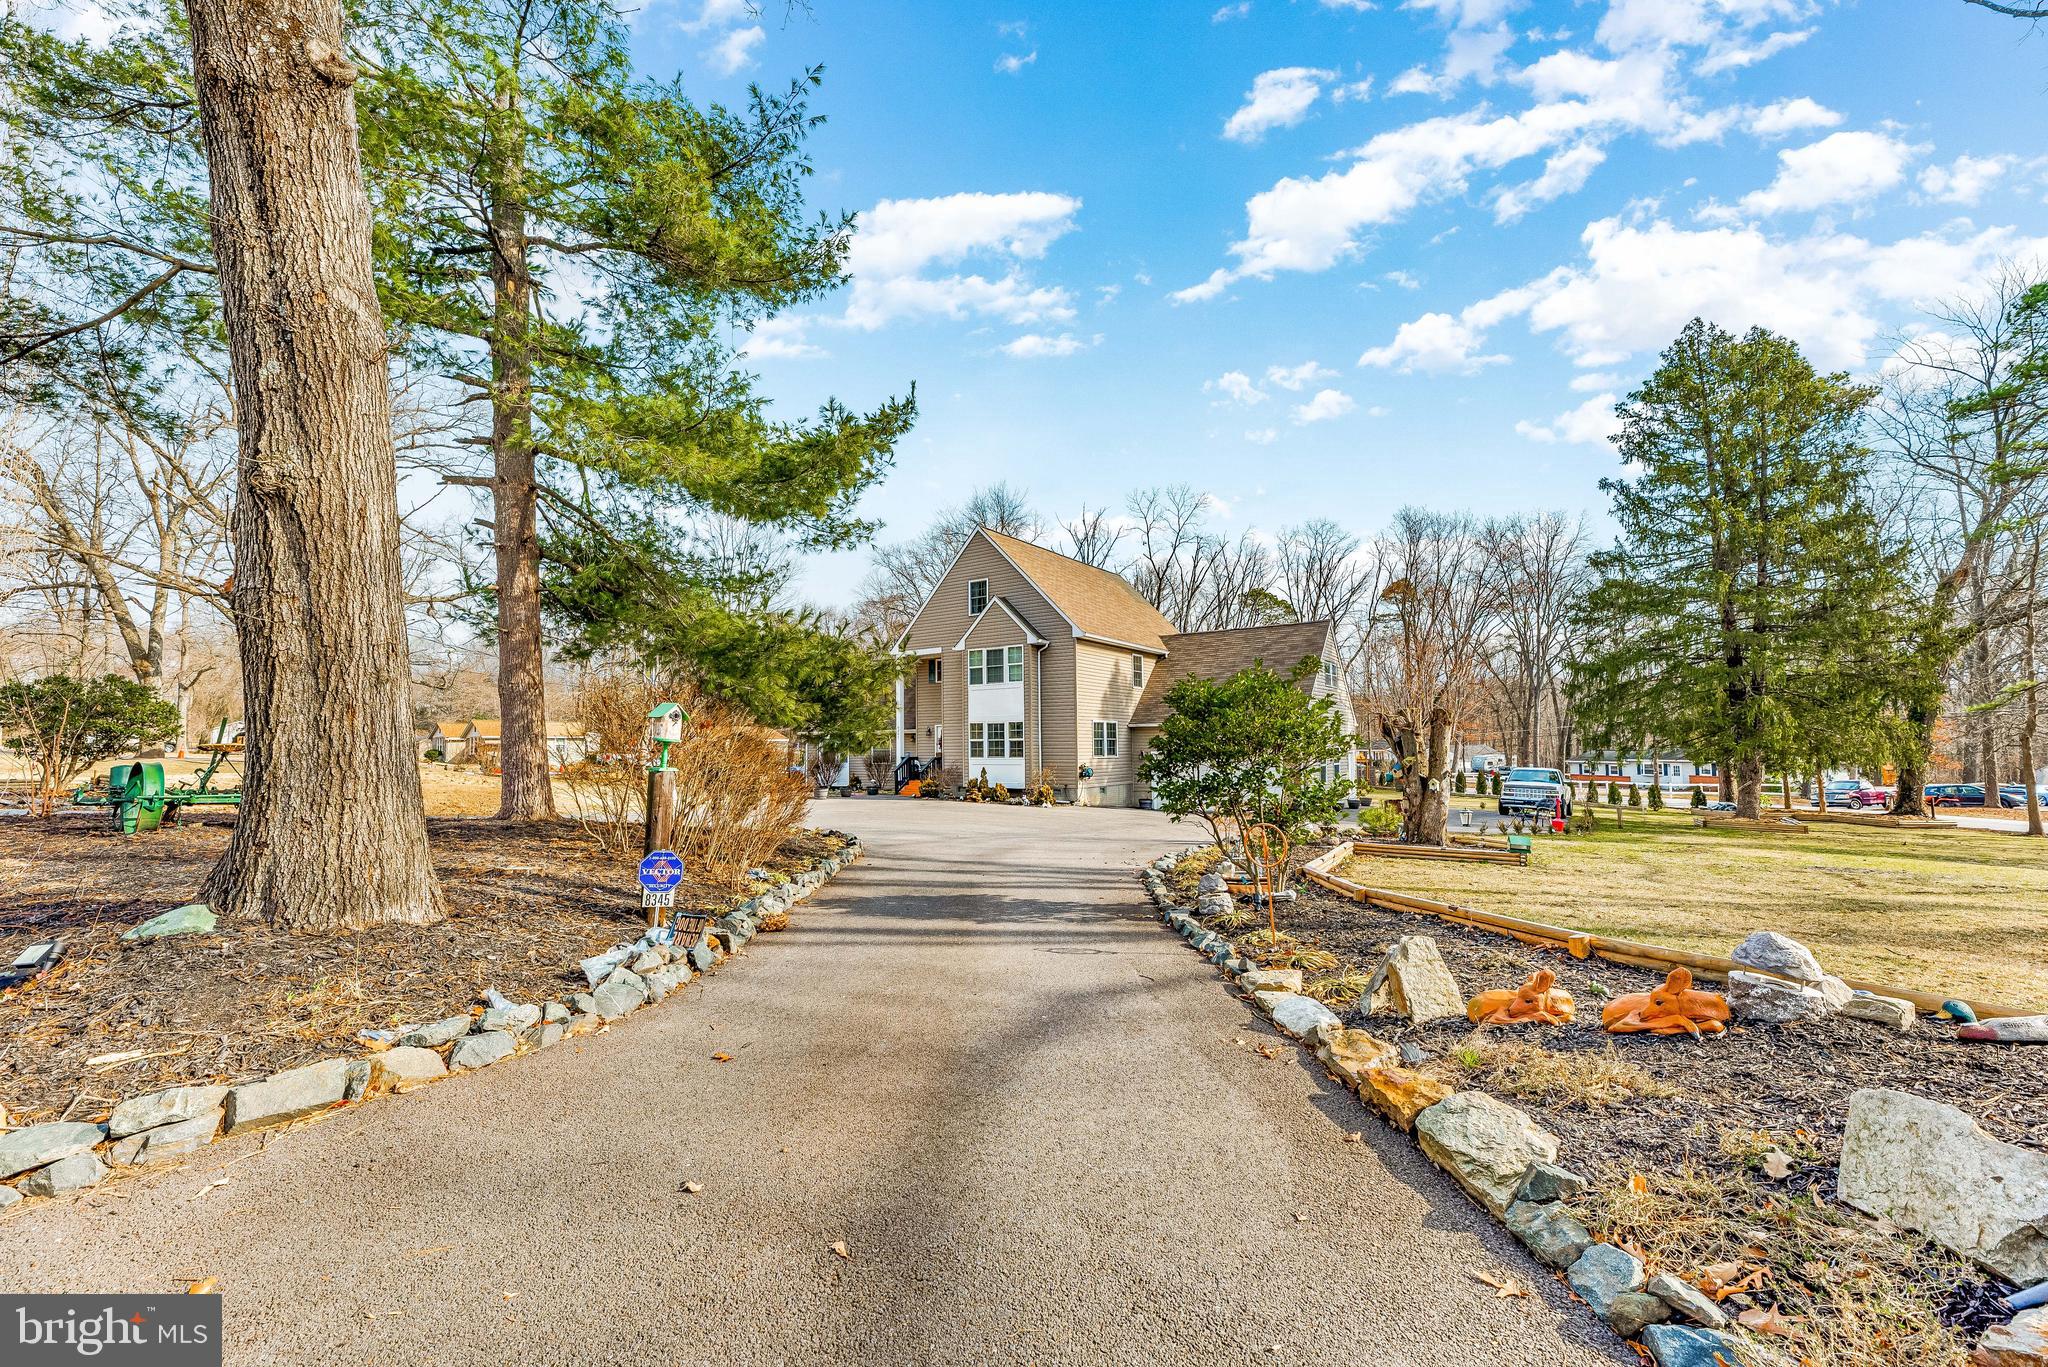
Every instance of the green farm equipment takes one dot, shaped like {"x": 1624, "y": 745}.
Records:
{"x": 140, "y": 801}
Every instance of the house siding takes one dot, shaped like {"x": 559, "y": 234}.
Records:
{"x": 1104, "y": 693}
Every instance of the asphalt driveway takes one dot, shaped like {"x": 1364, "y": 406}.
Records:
{"x": 1035, "y": 1120}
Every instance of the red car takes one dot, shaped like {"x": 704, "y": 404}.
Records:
{"x": 1863, "y": 797}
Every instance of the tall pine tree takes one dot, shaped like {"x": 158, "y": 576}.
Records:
{"x": 1749, "y": 591}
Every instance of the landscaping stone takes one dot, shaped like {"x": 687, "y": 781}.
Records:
{"x": 554, "y": 1012}
{"x": 1674, "y": 1345}
{"x": 1932, "y": 1169}
{"x": 39, "y": 1145}
{"x": 1752, "y": 996}
{"x": 1894, "y": 1013}
{"x": 551, "y": 1033}
{"x": 1411, "y": 980}
{"x": 1775, "y": 953}
{"x": 1688, "y": 1301}
{"x": 1549, "y": 1182}
{"x": 358, "y": 1079}
{"x": 1838, "y": 993}
{"x": 1401, "y": 1095}
{"x": 598, "y": 967}
{"x": 584, "y": 1023}
{"x": 703, "y": 957}
{"x": 510, "y": 1018}
{"x": 2021, "y": 1343}
{"x": 195, "y": 918}
{"x": 1414, "y": 1055}
{"x": 1350, "y": 1054}
{"x": 437, "y": 1034}
{"x": 774, "y": 921}
{"x": 1549, "y": 1231}
{"x": 1296, "y": 1015}
{"x": 76, "y": 1173}
{"x": 167, "y": 1107}
{"x": 477, "y": 1051}
{"x": 8, "y": 1196}
{"x": 402, "y": 1069}
{"x": 618, "y": 996}
{"x": 582, "y": 1004}
{"x": 1212, "y": 882}
{"x": 1633, "y": 1311}
{"x": 168, "y": 1142}
{"x": 286, "y": 1096}
{"x": 666, "y": 979}
{"x": 1486, "y": 1146}
{"x": 1603, "y": 1272}
{"x": 1271, "y": 980}
{"x": 648, "y": 962}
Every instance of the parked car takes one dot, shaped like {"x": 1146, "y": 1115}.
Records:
{"x": 1971, "y": 795}
{"x": 1862, "y": 796}
{"x": 1838, "y": 791}
{"x": 1534, "y": 792}
{"x": 2015, "y": 795}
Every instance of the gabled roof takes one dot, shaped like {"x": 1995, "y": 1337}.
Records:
{"x": 1101, "y": 604}
{"x": 1220, "y": 654}
{"x": 450, "y": 730}
{"x": 1009, "y": 610}
{"x": 486, "y": 729}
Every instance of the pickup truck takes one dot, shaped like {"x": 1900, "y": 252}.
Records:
{"x": 1525, "y": 792}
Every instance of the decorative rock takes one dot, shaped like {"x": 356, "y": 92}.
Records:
{"x": 2021, "y": 1343}
{"x": 510, "y": 1018}
{"x": 1549, "y": 1182}
{"x": 1603, "y": 1272}
{"x": 1350, "y": 1054}
{"x": 79, "y": 1171}
{"x": 8, "y": 1196}
{"x": 1838, "y": 993}
{"x": 1271, "y": 980}
{"x": 1676, "y": 1346}
{"x": 1755, "y": 997}
{"x": 666, "y": 979}
{"x": 358, "y": 1079}
{"x": 1411, "y": 980}
{"x": 1413, "y": 1056}
{"x": 1401, "y": 1095}
{"x": 39, "y": 1145}
{"x": 552, "y": 1032}
{"x": 702, "y": 957}
{"x": 582, "y": 1004}
{"x": 1549, "y": 1231}
{"x": 1893, "y": 1013}
{"x": 1932, "y": 1169}
{"x": 598, "y": 967}
{"x": 648, "y": 962}
{"x": 1775, "y": 953}
{"x": 168, "y": 1142}
{"x": 287, "y": 1095}
{"x": 476, "y": 1051}
{"x": 401, "y": 1070}
{"x": 1632, "y": 1311}
{"x": 2008, "y": 1030}
{"x": 1688, "y": 1301}
{"x": 437, "y": 1034}
{"x": 554, "y": 1012}
{"x": 194, "y": 918}
{"x": 774, "y": 921}
{"x": 1294, "y": 1014}
{"x": 618, "y": 996}
{"x": 1485, "y": 1145}
{"x": 585, "y": 1023}
{"x": 1212, "y": 882}
{"x": 139, "y": 1113}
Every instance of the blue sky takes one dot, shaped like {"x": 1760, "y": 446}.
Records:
{"x": 1321, "y": 257}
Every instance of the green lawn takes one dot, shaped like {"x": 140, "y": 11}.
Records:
{"x": 1955, "y": 912}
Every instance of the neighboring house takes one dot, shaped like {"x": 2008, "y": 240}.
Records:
{"x": 568, "y": 743}
{"x": 1668, "y": 768}
{"x": 445, "y": 737}
{"x": 1024, "y": 661}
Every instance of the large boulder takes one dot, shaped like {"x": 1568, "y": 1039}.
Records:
{"x": 1297, "y": 1015}
{"x": 1411, "y": 980}
{"x": 287, "y": 1096}
{"x": 1486, "y": 1145}
{"x": 1932, "y": 1169}
{"x": 1752, "y": 996}
{"x": 139, "y": 1113}
{"x": 1781, "y": 954}
{"x": 40, "y": 1145}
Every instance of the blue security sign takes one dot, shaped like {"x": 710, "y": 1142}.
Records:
{"x": 661, "y": 871}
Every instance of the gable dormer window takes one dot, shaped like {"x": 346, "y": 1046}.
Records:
{"x": 1330, "y": 673}
{"x": 977, "y": 597}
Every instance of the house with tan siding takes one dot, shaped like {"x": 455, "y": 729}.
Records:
{"x": 1024, "y": 661}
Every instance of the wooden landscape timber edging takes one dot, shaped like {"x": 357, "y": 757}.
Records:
{"x": 1880, "y": 820}
{"x": 1451, "y": 855}
{"x": 1580, "y": 944}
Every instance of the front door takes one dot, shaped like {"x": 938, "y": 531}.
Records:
{"x": 995, "y": 715}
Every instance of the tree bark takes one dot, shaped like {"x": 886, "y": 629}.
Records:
{"x": 1749, "y": 787}
{"x": 524, "y": 789}
{"x": 331, "y": 834}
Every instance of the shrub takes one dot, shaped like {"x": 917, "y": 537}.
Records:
{"x": 1458, "y": 783}
{"x": 1699, "y": 798}
{"x": 1379, "y": 821}
{"x": 1613, "y": 794}
{"x": 432, "y": 757}
{"x": 1635, "y": 796}
{"x": 63, "y": 725}
{"x": 1039, "y": 794}
{"x": 1656, "y": 796}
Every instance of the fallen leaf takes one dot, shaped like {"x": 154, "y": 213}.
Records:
{"x": 509, "y": 1295}
{"x": 1301, "y": 1217}
{"x": 841, "y": 1250}
{"x": 1639, "y": 1184}
{"x": 1765, "y": 1322}
{"x": 1777, "y": 1166}
{"x": 1355, "y": 1137}
{"x": 721, "y": 1058}
{"x": 693, "y": 1187}
{"x": 1504, "y": 1287}
{"x": 206, "y": 1286}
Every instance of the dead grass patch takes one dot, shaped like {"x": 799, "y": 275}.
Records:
{"x": 1530, "y": 1072}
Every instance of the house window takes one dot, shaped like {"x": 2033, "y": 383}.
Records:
{"x": 1137, "y": 671}
{"x": 1013, "y": 658}
{"x": 974, "y": 675}
{"x": 1330, "y": 673}
{"x": 1105, "y": 739}
{"x": 1016, "y": 739}
{"x": 976, "y": 745}
{"x": 977, "y": 597}
{"x": 931, "y": 670}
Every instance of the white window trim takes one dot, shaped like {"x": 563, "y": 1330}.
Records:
{"x": 972, "y": 584}
{"x": 1101, "y": 733}
{"x": 1137, "y": 669}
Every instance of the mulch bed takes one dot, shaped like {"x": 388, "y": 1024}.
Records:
{"x": 525, "y": 903}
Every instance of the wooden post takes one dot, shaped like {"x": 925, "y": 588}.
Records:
{"x": 661, "y": 819}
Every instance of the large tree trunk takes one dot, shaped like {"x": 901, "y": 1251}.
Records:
{"x": 524, "y": 790}
{"x": 1425, "y": 788}
{"x": 331, "y": 834}
{"x": 1911, "y": 799}
{"x": 1749, "y": 787}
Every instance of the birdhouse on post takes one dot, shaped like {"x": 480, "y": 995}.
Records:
{"x": 665, "y": 721}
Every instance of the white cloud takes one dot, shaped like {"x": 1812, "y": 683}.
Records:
{"x": 900, "y": 240}
{"x": 1403, "y": 279}
{"x": 1353, "y": 5}
{"x": 1235, "y": 386}
{"x": 1591, "y": 423}
{"x": 1299, "y": 377}
{"x": 1228, "y": 12}
{"x": 1037, "y": 346}
{"x": 1352, "y": 90}
{"x": 1687, "y": 23}
{"x": 1010, "y": 63}
{"x": 1473, "y": 55}
{"x": 1735, "y": 56}
{"x": 717, "y": 14}
{"x": 1964, "y": 180}
{"x": 1842, "y": 168}
{"x": 1378, "y": 411}
{"x": 1790, "y": 116}
{"x": 1594, "y": 381}
{"x": 1564, "y": 173}
{"x": 1465, "y": 13}
{"x": 1279, "y": 98}
{"x": 1435, "y": 342}
{"x": 1012, "y": 28}
{"x": 1263, "y": 436}
{"x": 735, "y": 51}
{"x": 785, "y": 337}
{"x": 1327, "y": 404}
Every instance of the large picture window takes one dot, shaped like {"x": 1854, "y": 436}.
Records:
{"x": 977, "y": 597}
{"x": 1105, "y": 739}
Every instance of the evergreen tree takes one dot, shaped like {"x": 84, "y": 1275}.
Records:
{"x": 1613, "y": 793}
{"x": 1746, "y": 603}
{"x": 1656, "y": 796}
{"x": 1458, "y": 783}
{"x": 1699, "y": 798}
